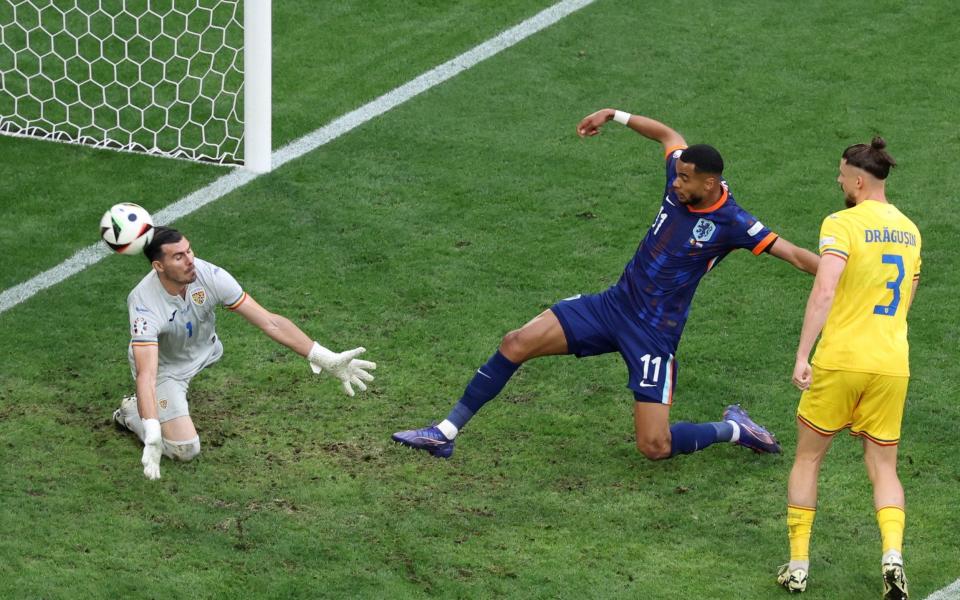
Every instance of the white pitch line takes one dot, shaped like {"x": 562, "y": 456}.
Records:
{"x": 951, "y": 592}
{"x": 95, "y": 253}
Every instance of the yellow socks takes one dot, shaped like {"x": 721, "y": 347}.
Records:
{"x": 891, "y": 520}
{"x": 799, "y": 526}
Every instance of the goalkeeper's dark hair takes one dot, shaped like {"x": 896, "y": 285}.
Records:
{"x": 161, "y": 235}
{"x": 872, "y": 158}
{"x": 704, "y": 158}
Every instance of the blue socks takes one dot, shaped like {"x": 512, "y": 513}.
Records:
{"x": 484, "y": 387}
{"x": 691, "y": 437}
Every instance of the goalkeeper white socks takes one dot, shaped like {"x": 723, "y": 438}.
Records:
{"x": 131, "y": 419}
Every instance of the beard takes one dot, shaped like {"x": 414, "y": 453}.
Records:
{"x": 848, "y": 200}
{"x": 185, "y": 279}
{"x": 694, "y": 200}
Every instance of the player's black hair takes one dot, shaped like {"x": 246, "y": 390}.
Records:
{"x": 161, "y": 235}
{"x": 872, "y": 158}
{"x": 704, "y": 158}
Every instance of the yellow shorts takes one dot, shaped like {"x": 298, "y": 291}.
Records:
{"x": 870, "y": 405}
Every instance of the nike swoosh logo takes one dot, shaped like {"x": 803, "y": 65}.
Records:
{"x": 141, "y": 309}
{"x": 484, "y": 374}
{"x": 670, "y": 202}
{"x": 430, "y": 441}
{"x": 643, "y": 384}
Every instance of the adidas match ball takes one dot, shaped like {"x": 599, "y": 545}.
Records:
{"x": 126, "y": 228}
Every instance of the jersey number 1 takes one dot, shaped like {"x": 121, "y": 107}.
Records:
{"x": 889, "y": 310}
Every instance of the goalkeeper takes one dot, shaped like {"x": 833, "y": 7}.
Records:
{"x": 173, "y": 337}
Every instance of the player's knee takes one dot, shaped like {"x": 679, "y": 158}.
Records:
{"x": 183, "y": 451}
{"x": 514, "y": 347}
{"x": 654, "y": 448}
{"x": 880, "y": 470}
{"x": 810, "y": 460}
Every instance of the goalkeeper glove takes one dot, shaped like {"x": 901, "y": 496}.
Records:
{"x": 342, "y": 365}
{"x": 152, "y": 448}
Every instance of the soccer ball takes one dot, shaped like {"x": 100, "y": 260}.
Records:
{"x": 126, "y": 228}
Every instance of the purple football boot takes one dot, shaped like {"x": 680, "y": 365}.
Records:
{"x": 430, "y": 439}
{"x": 752, "y": 436}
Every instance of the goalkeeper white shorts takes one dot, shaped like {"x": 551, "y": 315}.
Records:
{"x": 172, "y": 399}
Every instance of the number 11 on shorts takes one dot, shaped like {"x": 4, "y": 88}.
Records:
{"x": 656, "y": 362}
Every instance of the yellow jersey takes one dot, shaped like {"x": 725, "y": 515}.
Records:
{"x": 866, "y": 330}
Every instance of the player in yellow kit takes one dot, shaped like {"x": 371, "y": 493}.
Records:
{"x": 868, "y": 275}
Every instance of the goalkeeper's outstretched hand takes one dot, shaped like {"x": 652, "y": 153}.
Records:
{"x": 342, "y": 365}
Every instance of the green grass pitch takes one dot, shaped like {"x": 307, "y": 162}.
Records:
{"x": 425, "y": 235}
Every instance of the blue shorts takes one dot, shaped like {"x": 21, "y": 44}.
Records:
{"x": 598, "y": 324}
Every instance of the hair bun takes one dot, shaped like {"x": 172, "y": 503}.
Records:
{"x": 878, "y": 143}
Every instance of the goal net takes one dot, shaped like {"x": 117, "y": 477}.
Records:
{"x": 163, "y": 77}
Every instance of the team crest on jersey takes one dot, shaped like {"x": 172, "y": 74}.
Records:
{"x": 139, "y": 326}
{"x": 163, "y": 403}
{"x": 704, "y": 229}
{"x": 199, "y": 297}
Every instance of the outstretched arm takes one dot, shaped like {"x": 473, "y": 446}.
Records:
{"x": 645, "y": 126}
{"x": 342, "y": 365}
{"x": 801, "y": 258}
{"x": 146, "y": 358}
{"x": 818, "y": 308}
{"x": 278, "y": 328}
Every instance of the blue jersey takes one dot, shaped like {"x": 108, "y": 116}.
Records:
{"x": 680, "y": 247}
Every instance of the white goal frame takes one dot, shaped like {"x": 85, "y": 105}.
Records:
{"x": 257, "y": 84}
{"x": 150, "y": 92}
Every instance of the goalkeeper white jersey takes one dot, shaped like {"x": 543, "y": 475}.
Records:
{"x": 184, "y": 328}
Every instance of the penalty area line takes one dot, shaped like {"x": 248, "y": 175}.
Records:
{"x": 222, "y": 186}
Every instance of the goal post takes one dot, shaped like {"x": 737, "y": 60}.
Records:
{"x": 257, "y": 60}
{"x": 186, "y": 79}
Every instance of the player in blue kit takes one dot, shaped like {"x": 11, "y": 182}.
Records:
{"x": 643, "y": 314}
